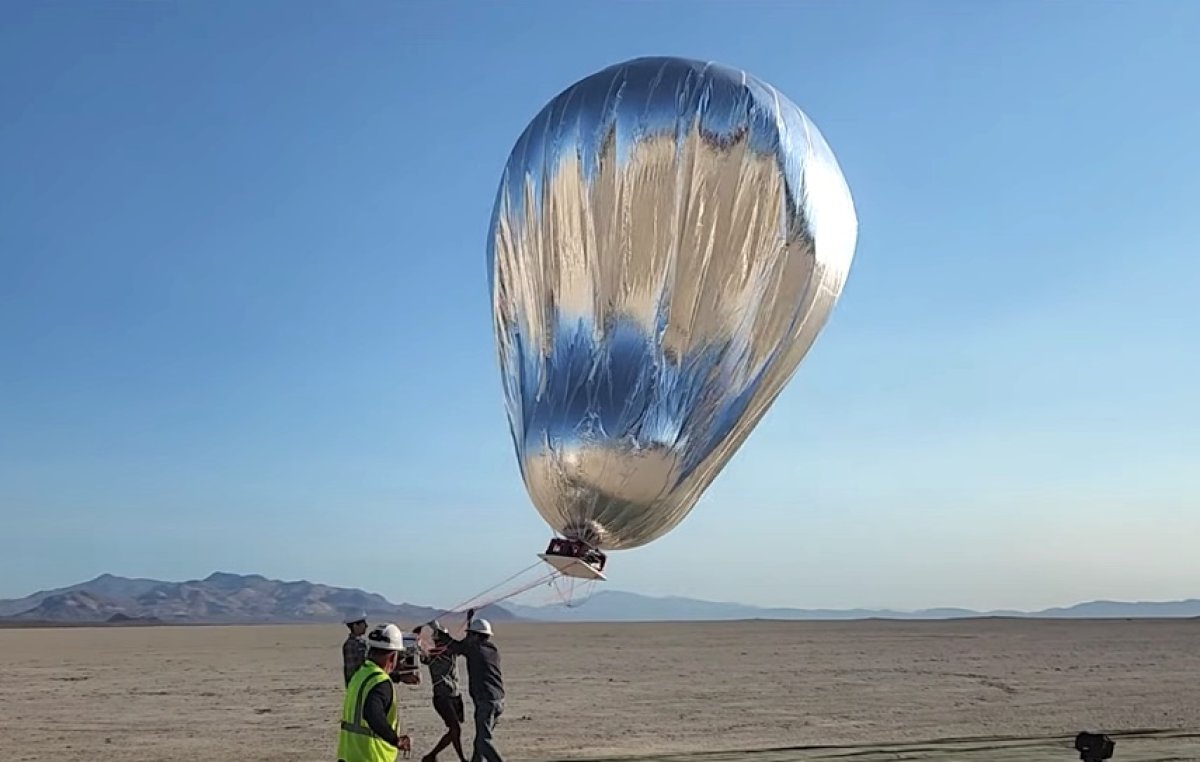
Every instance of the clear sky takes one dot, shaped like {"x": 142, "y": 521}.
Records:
{"x": 244, "y": 318}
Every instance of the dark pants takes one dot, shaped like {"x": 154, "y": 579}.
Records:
{"x": 486, "y": 715}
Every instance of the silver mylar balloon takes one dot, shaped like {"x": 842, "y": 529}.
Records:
{"x": 669, "y": 237}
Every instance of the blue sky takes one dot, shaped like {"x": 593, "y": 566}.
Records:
{"x": 244, "y": 318}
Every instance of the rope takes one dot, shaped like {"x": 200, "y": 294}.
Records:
{"x": 474, "y": 602}
{"x": 463, "y": 605}
{"x": 517, "y": 591}
{"x": 568, "y": 598}
{"x": 479, "y": 600}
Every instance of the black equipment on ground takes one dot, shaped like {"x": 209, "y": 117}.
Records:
{"x": 1094, "y": 747}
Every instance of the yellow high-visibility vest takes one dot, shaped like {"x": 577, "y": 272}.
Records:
{"x": 356, "y": 741}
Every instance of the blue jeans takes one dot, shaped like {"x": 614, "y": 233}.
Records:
{"x": 486, "y": 715}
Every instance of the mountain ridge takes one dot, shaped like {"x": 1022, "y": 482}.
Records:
{"x": 620, "y": 606}
{"x": 220, "y": 598}
{"x": 226, "y": 598}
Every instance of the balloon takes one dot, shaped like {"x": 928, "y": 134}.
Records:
{"x": 668, "y": 238}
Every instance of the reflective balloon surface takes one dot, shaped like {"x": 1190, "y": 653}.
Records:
{"x": 668, "y": 239}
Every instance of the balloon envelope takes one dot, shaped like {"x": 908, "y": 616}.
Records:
{"x": 668, "y": 238}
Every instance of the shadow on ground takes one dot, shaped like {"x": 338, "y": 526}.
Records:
{"x": 1131, "y": 746}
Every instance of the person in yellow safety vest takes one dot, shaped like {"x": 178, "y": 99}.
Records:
{"x": 370, "y": 720}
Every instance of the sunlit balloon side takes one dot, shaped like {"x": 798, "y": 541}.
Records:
{"x": 668, "y": 239}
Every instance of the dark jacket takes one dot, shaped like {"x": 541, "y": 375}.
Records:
{"x": 483, "y": 668}
{"x": 375, "y": 710}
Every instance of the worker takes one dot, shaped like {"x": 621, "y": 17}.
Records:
{"x": 486, "y": 685}
{"x": 370, "y": 719}
{"x": 354, "y": 650}
{"x": 447, "y": 699}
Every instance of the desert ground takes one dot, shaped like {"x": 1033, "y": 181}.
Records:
{"x": 981, "y": 689}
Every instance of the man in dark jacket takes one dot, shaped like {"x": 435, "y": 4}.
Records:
{"x": 486, "y": 685}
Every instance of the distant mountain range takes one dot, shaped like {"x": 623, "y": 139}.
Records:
{"x": 218, "y": 598}
{"x": 616, "y": 606}
{"x": 237, "y": 599}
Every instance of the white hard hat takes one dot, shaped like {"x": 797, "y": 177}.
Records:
{"x": 354, "y": 616}
{"x": 482, "y": 626}
{"x": 386, "y": 637}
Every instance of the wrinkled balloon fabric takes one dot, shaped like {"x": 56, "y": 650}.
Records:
{"x": 668, "y": 239}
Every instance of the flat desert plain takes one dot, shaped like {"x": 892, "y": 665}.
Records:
{"x": 1015, "y": 689}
